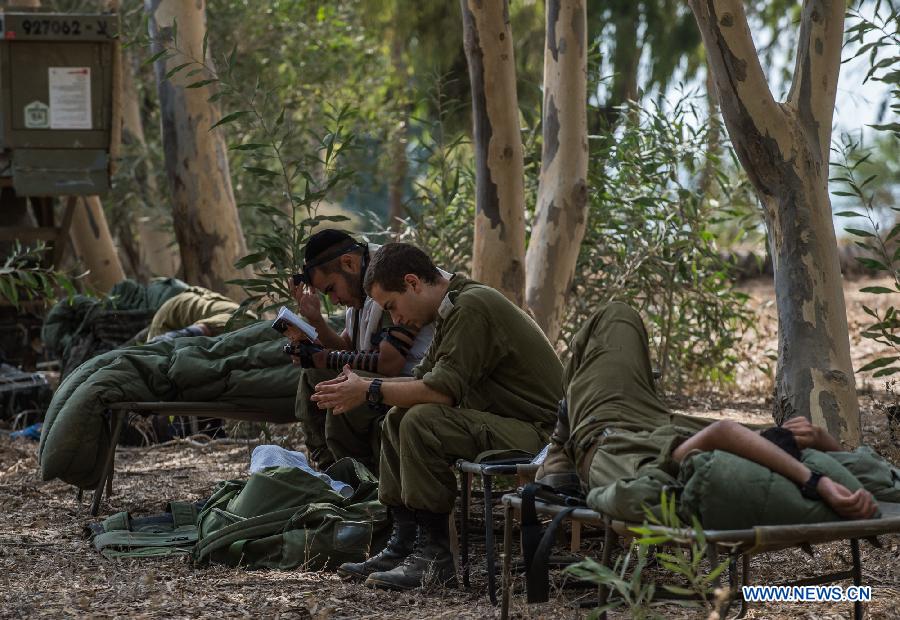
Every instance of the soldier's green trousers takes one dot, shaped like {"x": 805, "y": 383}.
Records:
{"x": 195, "y": 305}
{"x": 420, "y": 444}
{"x": 330, "y": 437}
{"x": 620, "y": 426}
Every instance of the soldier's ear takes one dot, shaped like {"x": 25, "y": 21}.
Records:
{"x": 412, "y": 282}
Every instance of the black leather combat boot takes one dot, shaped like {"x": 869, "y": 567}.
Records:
{"x": 558, "y": 471}
{"x": 431, "y": 562}
{"x": 399, "y": 545}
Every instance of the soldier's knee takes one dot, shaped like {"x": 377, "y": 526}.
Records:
{"x": 417, "y": 417}
{"x": 620, "y": 310}
{"x": 393, "y": 418}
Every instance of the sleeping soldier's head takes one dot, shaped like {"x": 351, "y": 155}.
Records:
{"x": 334, "y": 263}
{"x": 402, "y": 279}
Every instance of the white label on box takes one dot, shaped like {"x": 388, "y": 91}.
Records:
{"x": 37, "y": 115}
{"x": 70, "y": 97}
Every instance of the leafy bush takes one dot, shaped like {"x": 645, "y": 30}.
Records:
{"x": 649, "y": 243}
{"x": 875, "y": 221}
{"x": 686, "y": 549}
{"x": 23, "y": 277}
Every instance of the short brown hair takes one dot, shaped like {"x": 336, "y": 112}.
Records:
{"x": 393, "y": 261}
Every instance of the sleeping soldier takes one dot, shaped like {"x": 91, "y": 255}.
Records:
{"x": 616, "y": 440}
{"x": 370, "y": 343}
{"x": 489, "y": 381}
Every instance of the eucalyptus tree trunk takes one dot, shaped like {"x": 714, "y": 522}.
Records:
{"x": 94, "y": 246}
{"x": 561, "y": 214}
{"x": 784, "y": 148}
{"x": 154, "y": 248}
{"x": 205, "y": 215}
{"x": 499, "y": 253}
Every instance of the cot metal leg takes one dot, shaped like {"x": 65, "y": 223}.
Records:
{"x": 712, "y": 555}
{"x": 745, "y": 580}
{"x": 857, "y": 576}
{"x": 117, "y": 419}
{"x": 608, "y": 539}
{"x": 464, "y": 525}
{"x": 489, "y": 539}
{"x": 732, "y": 582}
{"x": 79, "y": 495}
{"x": 506, "y": 577}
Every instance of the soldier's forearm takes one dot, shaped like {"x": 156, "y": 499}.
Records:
{"x": 406, "y": 392}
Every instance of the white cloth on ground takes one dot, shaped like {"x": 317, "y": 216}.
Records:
{"x": 276, "y": 456}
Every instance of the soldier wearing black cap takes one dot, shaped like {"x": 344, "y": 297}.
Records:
{"x": 334, "y": 265}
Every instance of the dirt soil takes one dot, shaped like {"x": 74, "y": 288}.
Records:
{"x": 48, "y": 568}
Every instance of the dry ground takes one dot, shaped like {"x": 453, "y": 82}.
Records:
{"x": 48, "y": 569}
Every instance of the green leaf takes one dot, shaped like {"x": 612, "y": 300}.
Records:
{"x": 229, "y": 118}
{"x": 887, "y": 371}
{"x": 175, "y": 70}
{"x": 871, "y": 263}
{"x": 156, "y": 57}
{"x": 205, "y": 45}
{"x": 848, "y": 214}
{"x": 894, "y": 232}
{"x": 654, "y": 540}
{"x": 714, "y": 573}
{"x": 879, "y": 363}
{"x": 887, "y": 127}
{"x": 249, "y": 146}
{"x": 858, "y": 232}
{"x": 249, "y": 259}
{"x": 263, "y": 172}
{"x": 876, "y": 289}
{"x": 175, "y": 32}
{"x": 202, "y": 83}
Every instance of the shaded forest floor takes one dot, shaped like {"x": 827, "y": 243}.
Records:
{"x": 47, "y": 567}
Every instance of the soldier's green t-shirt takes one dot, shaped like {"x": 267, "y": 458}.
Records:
{"x": 487, "y": 354}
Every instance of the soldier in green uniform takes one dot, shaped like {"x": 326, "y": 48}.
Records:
{"x": 194, "y": 312}
{"x": 624, "y": 445}
{"x": 489, "y": 381}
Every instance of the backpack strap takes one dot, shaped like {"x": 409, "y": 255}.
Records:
{"x": 183, "y": 514}
{"x": 537, "y": 545}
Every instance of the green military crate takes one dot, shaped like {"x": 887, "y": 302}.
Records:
{"x": 57, "y": 74}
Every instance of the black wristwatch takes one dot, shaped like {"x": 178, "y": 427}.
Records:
{"x": 373, "y": 395}
{"x": 809, "y": 489}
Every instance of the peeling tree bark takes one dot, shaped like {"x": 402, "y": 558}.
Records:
{"x": 561, "y": 213}
{"x": 784, "y": 149}
{"x": 499, "y": 253}
{"x": 205, "y": 216}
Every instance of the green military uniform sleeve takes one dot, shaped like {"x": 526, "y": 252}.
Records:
{"x": 469, "y": 350}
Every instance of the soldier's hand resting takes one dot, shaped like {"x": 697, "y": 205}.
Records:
{"x": 849, "y": 505}
{"x": 342, "y": 394}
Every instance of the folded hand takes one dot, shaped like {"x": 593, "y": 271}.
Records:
{"x": 849, "y": 505}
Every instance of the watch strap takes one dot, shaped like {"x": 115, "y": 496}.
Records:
{"x": 809, "y": 489}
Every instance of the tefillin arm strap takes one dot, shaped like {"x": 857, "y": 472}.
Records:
{"x": 359, "y": 360}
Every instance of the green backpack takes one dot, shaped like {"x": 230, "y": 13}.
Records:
{"x": 284, "y": 518}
